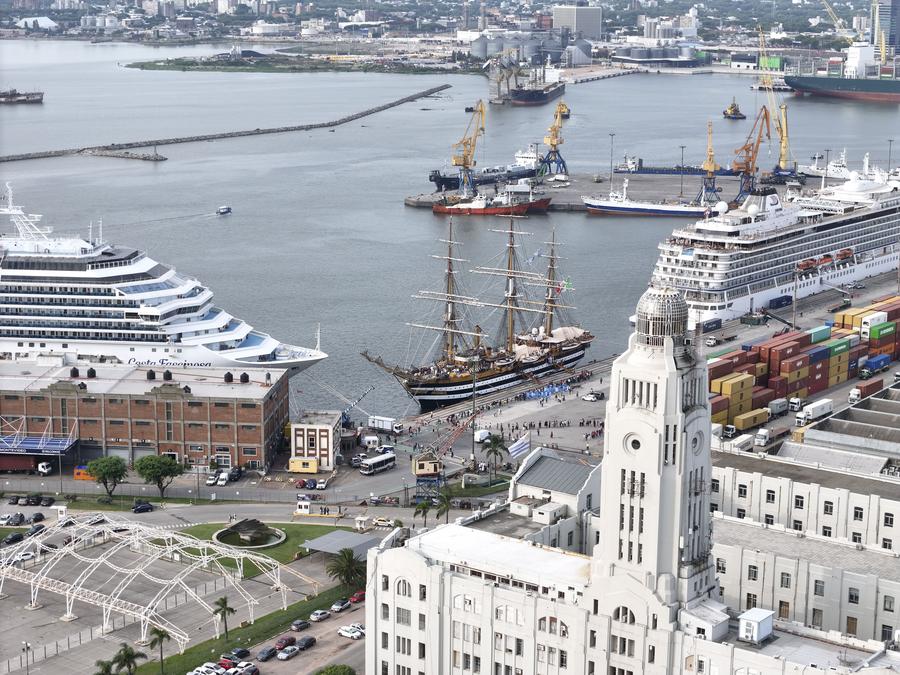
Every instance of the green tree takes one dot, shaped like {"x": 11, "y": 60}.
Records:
{"x": 495, "y": 450}
{"x": 223, "y": 609}
{"x": 158, "y": 636}
{"x": 104, "y": 668}
{"x": 444, "y": 503}
{"x": 336, "y": 670}
{"x": 108, "y": 472}
{"x": 346, "y": 568}
{"x": 159, "y": 470}
{"x": 126, "y": 658}
{"x": 422, "y": 509}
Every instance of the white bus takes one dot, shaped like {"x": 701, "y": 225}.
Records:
{"x": 373, "y": 465}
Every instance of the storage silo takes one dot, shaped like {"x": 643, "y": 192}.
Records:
{"x": 478, "y": 48}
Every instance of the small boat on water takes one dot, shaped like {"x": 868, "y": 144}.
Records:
{"x": 618, "y": 203}
{"x": 733, "y": 112}
{"x": 516, "y": 199}
{"x": 223, "y": 210}
{"x": 13, "y": 96}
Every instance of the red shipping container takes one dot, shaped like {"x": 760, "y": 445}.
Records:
{"x": 817, "y": 387}
{"x": 778, "y": 384}
{"x": 785, "y": 350}
{"x": 718, "y": 403}
{"x": 719, "y": 369}
{"x": 749, "y": 369}
{"x": 820, "y": 367}
{"x": 852, "y": 372}
{"x": 737, "y": 358}
{"x": 762, "y": 398}
{"x": 794, "y": 363}
{"x": 802, "y": 383}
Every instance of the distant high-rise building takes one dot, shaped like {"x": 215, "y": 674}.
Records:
{"x": 586, "y": 21}
{"x": 885, "y": 19}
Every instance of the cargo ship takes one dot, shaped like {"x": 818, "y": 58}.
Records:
{"x": 12, "y": 96}
{"x": 619, "y": 203}
{"x": 530, "y": 340}
{"x": 768, "y": 248}
{"x": 536, "y": 93}
{"x": 525, "y": 166}
{"x": 517, "y": 199}
{"x": 636, "y": 165}
{"x": 856, "y": 88}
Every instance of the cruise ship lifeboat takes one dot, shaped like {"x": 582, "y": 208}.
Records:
{"x": 825, "y": 260}
{"x": 845, "y": 253}
{"x": 808, "y": 264}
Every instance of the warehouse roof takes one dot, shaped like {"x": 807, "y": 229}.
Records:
{"x": 337, "y": 540}
{"x": 557, "y": 475}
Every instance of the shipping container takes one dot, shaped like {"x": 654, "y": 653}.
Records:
{"x": 736, "y": 358}
{"x": 711, "y": 325}
{"x": 718, "y": 369}
{"x": 819, "y": 334}
{"x": 716, "y": 385}
{"x": 838, "y": 347}
{"x": 751, "y": 419}
{"x": 780, "y": 301}
{"x": 870, "y": 320}
{"x": 736, "y": 383}
{"x": 718, "y": 404}
{"x": 882, "y": 330}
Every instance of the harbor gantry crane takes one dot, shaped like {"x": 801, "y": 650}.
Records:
{"x": 553, "y": 161}
{"x": 745, "y": 161}
{"x": 840, "y": 26}
{"x": 786, "y": 168}
{"x": 709, "y": 193}
{"x": 464, "y": 150}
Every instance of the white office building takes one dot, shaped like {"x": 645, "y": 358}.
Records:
{"x": 588, "y": 21}
{"x": 458, "y": 600}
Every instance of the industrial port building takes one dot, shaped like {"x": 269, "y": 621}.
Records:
{"x": 193, "y": 415}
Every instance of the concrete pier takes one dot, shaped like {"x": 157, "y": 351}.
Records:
{"x": 118, "y": 148}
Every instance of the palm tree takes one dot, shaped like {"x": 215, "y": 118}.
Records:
{"x": 346, "y": 568}
{"x": 126, "y": 658}
{"x": 495, "y": 450}
{"x": 444, "y": 502}
{"x": 104, "y": 668}
{"x": 158, "y": 637}
{"x": 422, "y": 509}
{"x": 223, "y": 609}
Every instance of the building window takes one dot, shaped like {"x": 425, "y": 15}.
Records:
{"x": 798, "y": 502}
{"x": 817, "y": 618}
{"x": 592, "y": 639}
{"x": 651, "y": 654}
{"x": 563, "y": 659}
{"x": 856, "y": 538}
{"x": 385, "y": 611}
{"x": 770, "y": 496}
{"x": 751, "y": 601}
{"x": 819, "y": 588}
{"x": 403, "y": 588}
{"x": 742, "y": 491}
{"x": 887, "y": 633}
{"x": 741, "y": 513}
{"x": 798, "y": 524}
{"x": 404, "y": 617}
{"x": 720, "y": 565}
{"x": 385, "y": 584}
{"x": 851, "y": 625}
{"x": 887, "y": 544}
{"x": 888, "y": 603}
{"x": 714, "y": 485}
{"x": 784, "y": 610}
{"x": 421, "y": 650}
{"x": 888, "y": 519}
{"x": 828, "y": 508}
{"x": 752, "y": 572}
{"x": 421, "y": 622}
{"x": 423, "y": 592}
{"x": 853, "y": 596}
{"x": 769, "y": 519}
{"x": 785, "y": 580}
{"x": 857, "y": 513}
{"x": 713, "y": 507}
{"x": 826, "y": 530}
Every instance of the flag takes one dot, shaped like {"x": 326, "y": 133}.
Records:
{"x": 533, "y": 256}
{"x": 520, "y": 447}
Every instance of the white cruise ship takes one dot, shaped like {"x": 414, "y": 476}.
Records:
{"x": 735, "y": 262}
{"x": 91, "y": 300}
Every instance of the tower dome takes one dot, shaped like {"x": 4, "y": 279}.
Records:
{"x": 661, "y": 313}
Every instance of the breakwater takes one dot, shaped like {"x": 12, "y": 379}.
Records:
{"x": 119, "y": 148}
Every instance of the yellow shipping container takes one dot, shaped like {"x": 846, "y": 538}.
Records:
{"x": 837, "y": 369}
{"x": 857, "y": 319}
{"x": 303, "y": 465}
{"x": 739, "y": 409}
{"x": 716, "y": 385}
{"x": 798, "y": 434}
{"x": 739, "y": 396}
{"x": 840, "y": 358}
{"x": 835, "y": 380}
{"x": 751, "y": 419}
{"x": 720, "y": 417}
{"x": 849, "y": 315}
{"x": 762, "y": 369}
{"x": 797, "y": 374}
{"x": 803, "y": 393}
{"x": 738, "y": 383}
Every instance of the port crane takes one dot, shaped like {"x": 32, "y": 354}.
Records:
{"x": 708, "y": 191}
{"x": 840, "y": 25}
{"x": 745, "y": 161}
{"x": 464, "y": 150}
{"x": 786, "y": 168}
{"x": 553, "y": 161}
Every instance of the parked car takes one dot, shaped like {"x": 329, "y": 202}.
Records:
{"x": 13, "y": 500}
{"x": 12, "y": 538}
{"x": 285, "y": 641}
{"x": 381, "y": 521}
{"x": 247, "y": 668}
{"x": 145, "y": 507}
{"x": 48, "y": 501}
{"x": 299, "y": 624}
{"x": 348, "y": 632}
{"x": 35, "y": 529}
{"x": 16, "y": 520}
{"x": 288, "y": 653}
{"x": 311, "y": 483}
{"x": 591, "y": 396}
{"x": 33, "y": 500}
{"x": 240, "y": 653}
{"x": 214, "y": 667}
{"x": 227, "y": 661}
{"x": 35, "y": 517}
{"x": 321, "y": 484}
{"x": 319, "y": 615}
{"x": 340, "y": 605}
{"x": 306, "y": 642}
{"x": 222, "y": 479}
{"x": 359, "y": 596}
{"x": 235, "y": 473}
{"x": 22, "y": 556}
{"x": 355, "y": 462}
{"x": 266, "y": 653}
{"x": 212, "y": 478}
{"x": 359, "y": 627}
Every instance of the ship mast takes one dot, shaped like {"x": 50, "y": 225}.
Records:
{"x": 450, "y": 318}
{"x": 549, "y": 302}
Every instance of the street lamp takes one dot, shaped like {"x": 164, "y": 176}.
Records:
{"x": 26, "y": 648}
{"x": 405, "y": 492}
{"x": 825, "y": 172}
{"x": 612, "y": 137}
{"x": 890, "y": 148}
{"x": 681, "y": 171}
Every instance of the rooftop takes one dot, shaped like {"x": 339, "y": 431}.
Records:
{"x": 788, "y": 545}
{"x": 803, "y": 473}
{"x": 323, "y": 417}
{"x": 509, "y": 524}
{"x": 119, "y": 379}
{"x": 801, "y": 649}
{"x": 504, "y": 556}
{"x": 556, "y": 475}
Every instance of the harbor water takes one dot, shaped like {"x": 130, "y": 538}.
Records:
{"x": 319, "y": 234}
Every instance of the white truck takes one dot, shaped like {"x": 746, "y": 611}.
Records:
{"x": 385, "y": 424}
{"x": 796, "y": 404}
{"x": 765, "y": 436}
{"x": 814, "y": 411}
{"x": 778, "y": 407}
{"x": 482, "y": 436}
{"x": 743, "y": 443}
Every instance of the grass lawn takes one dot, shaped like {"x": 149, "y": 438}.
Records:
{"x": 500, "y": 484}
{"x": 264, "y": 628}
{"x": 7, "y": 530}
{"x": 283, "y": 552}
{"x": 123, "y": 502}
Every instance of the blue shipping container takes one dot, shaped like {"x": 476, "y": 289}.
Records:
{"x": 780, "y": 301}
{"x": 878, "y": 362}
{"x": 712, "y": 324}
{"x": 818, "y": 354}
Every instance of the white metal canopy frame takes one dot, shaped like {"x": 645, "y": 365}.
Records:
{"x": 109, "y": 536}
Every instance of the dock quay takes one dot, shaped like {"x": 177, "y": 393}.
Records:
{"x": 567, "y": 195}
{"x": 126, "y": 154}
{"x": 118, "y": 148}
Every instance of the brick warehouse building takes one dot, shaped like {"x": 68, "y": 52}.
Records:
{"x": 194, "y": 415}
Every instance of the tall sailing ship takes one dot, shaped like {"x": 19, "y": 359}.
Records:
{"x": 534, "y": 336}
{"x": 737, "y": 261}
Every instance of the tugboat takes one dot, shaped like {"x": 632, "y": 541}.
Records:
{"x": 514, "y": 200}
{"x": 12, "y": 96}
{"x": 733, "y": 112}
{"x": 223, "y": 210}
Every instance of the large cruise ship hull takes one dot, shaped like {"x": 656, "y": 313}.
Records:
{"x": 886, "y": 91}
{"x": 432, "y": 395}
{"x": 156, "y": 355}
